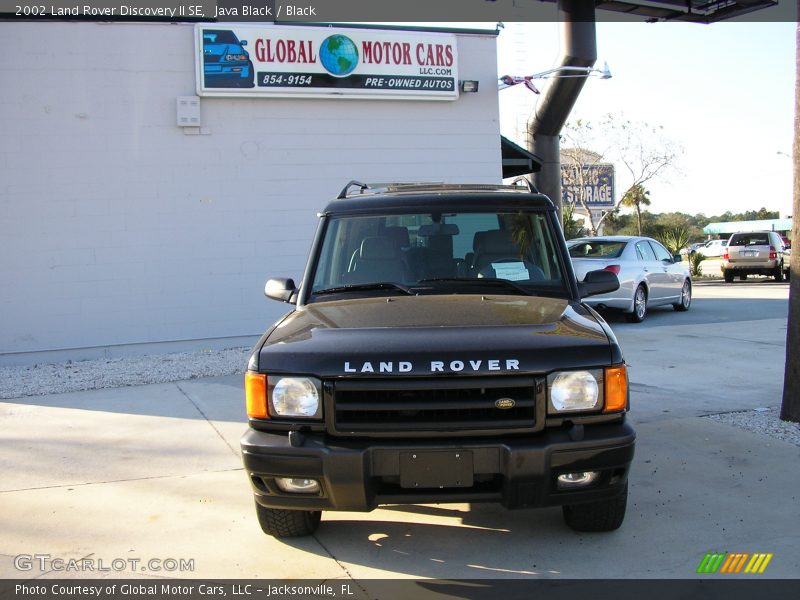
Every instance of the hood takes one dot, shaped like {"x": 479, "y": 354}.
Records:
{"x": 218, "y": 50}
{"x": 436, "y": 335}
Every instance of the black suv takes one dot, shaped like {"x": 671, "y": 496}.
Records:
{"x": 437, "y": 350}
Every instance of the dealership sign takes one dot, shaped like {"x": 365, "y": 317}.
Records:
{"x": 277, "y": 61}
{"x": 594, "y": 183}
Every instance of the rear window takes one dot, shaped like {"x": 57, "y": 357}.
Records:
{"x": 749, "y": 239}
{"x": 597, "y": 249}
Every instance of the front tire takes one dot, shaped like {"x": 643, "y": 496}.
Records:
{"x": 282, "y": 523}
{"x": 686, "y": 297}
{"x": 606, "y": 515}
{"x": 639, "y": 306}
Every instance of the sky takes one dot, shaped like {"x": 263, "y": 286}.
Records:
{"x": 723, "y": 92}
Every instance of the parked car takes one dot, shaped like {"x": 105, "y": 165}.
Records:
{"x": 695, "y": 247}
{"x": 754, "y": 253}
{"x": 648, "y": 275}
{"x": 713, "y": 248}
{"x": 226, "y": 63}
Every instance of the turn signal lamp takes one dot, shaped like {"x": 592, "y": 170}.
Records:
{"x": 616, "y": 389}
{"x": 255, "y": 391}
{"x": 613, "y": 268}
{"x": 772, "y": 253}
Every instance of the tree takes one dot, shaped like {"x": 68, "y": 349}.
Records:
{"x": 636, "y": 197}
{"x": 790, "y": 406}
{"x": 579, "y": 169}
{"x": 572, "y": 227}
{"x": 675, "y": 240}
{"x": 644, "y": 151}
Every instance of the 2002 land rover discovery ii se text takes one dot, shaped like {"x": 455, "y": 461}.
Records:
{"x": 437, "y": 350}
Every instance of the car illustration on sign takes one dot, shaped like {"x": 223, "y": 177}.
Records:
{"x": 226, "y": 63}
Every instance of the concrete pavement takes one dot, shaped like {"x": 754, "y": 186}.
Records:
{"x": 154, "y": 472}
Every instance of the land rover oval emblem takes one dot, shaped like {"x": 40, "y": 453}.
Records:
{"x": 504, "y": 403}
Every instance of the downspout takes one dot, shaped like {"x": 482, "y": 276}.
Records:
{"x": 579, "y": 49}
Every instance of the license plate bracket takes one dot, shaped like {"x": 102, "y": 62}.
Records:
{"x": 439, "y": 469}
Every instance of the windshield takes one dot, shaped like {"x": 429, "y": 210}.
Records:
{"x": 502, "y": 252}
{"x": 596, "y": 249}
{"x": 750, "y": 239}
{"x": 219, "y": 36}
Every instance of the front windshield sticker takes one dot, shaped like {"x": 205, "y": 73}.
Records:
{"x": 513, "y": 271}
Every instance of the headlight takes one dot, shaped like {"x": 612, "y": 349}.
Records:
{"x": 295, "y": 397}
{"x": 235, "y": 57}
{"x": 575, "y": 390}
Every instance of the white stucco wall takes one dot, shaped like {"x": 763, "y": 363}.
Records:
{"x": 117, "y": 228}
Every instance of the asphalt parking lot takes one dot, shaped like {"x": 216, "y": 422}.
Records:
{"x": 153, "y": 472}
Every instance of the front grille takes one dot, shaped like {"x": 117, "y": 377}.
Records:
{"x": 443, "y": 405}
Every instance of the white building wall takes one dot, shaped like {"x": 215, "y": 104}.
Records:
{"x": 117, "y": 228}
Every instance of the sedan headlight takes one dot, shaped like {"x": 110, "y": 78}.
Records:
{"x": 295, "y": 397}
{"x": 235, "y": 57}
{"x": 572, "y": 391}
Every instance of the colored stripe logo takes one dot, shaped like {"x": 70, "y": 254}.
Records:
{"x": 734, "y": 562}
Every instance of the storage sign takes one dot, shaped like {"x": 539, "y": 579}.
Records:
{"x": 594, "y": 182}
{"x": 277, "y": 61}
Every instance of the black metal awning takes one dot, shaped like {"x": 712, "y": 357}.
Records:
{"x": 516, "y": 160}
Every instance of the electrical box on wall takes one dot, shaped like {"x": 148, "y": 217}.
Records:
{"x": 188, "y": 111}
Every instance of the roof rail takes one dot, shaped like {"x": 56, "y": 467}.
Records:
{"x": 519, "y": 181}
{"x": 520, "y": 184}
{"x": 352, "y": 183}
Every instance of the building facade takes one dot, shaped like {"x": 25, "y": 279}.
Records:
{"x": 123, "y": 231}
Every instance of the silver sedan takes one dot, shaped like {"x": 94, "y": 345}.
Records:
{"x": 648, "y": 274}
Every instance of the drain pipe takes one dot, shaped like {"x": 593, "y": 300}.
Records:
{"x": 579, "y": 49}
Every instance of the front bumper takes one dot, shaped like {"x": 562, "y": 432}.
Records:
{"x": 359, "y": 475}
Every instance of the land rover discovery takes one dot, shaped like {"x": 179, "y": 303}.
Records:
{"x": 437, "y": 350}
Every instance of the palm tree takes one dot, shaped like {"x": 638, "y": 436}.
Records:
{"x": 637, "y": 197}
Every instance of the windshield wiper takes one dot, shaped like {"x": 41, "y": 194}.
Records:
{"x": 362, "y": 287}
{"x": 482, "y": 281}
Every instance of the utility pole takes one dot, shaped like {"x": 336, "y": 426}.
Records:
{"x": 790, "y": 407}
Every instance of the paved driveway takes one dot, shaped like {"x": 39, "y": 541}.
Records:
{"x": 154, "y": 472}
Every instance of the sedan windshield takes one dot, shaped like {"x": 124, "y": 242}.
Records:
{"x": 431, "y": 253}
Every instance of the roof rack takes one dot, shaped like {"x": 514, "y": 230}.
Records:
{"x": 520, "y": 184}
{"x": 524, "y": 181}
{"x": 362, "y": 186}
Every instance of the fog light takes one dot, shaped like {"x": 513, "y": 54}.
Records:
{"x": 293, "y": 485}
{"x": 574, "y": 480}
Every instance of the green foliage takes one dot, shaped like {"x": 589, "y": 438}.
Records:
{"x": 636, "y": 197}
{"x": 572, "y": 226}
{"x": 694, "y": 264}
{"x": 675, "y": 239}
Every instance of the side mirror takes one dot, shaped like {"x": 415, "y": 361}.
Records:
{"x": 598, "y": 282}
{"x": 676, "y": 258}
{"x": 280, "y": 289}
{"x": 243, "y": 43}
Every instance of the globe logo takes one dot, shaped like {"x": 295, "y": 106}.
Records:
{"x": 339, "y": 55}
